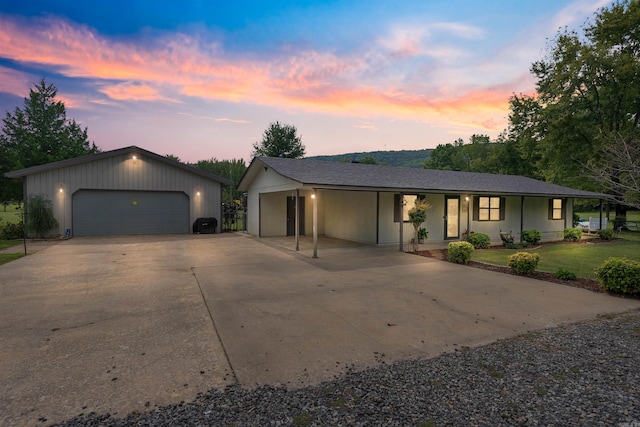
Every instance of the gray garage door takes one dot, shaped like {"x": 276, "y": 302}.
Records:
{"x": 103, "y": 213}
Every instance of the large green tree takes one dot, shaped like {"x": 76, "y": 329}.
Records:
{"x": 38, "y": 133}
{"x": 279, "y": 140}
{"x": 587, "y": 92}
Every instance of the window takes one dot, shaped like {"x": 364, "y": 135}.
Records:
{"x": 488, "y": 208}
{"x": 402, "y": 210}
{"x": 556, "y": 210}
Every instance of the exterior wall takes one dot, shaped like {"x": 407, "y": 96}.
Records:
{"x": 493, "y": 228}
{"x": 262, "y": 200}
{"x": 537, "y": 216}
{"x": 124, "y": 173}
{"x": 350, "y": 215}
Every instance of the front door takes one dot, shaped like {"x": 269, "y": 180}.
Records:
{"x": 291, "y": 216}
{"x": 452, "y": 217}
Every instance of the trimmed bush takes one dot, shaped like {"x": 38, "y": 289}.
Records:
{"x": 606, "y": 234}
{"x": 480, "y": 240}
{"x": 572, "y": 234}
{"x": 459, "y": 252}
{"x": 563, "y": 274}
{"x": 532, "y": 236}
{"x": 11, "y": 231}
{"x": 619, "y": 275}
{"x": 523, "y": 262}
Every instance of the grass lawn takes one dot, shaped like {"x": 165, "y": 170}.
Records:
{"x": 12, "y": 215}
{"x": 581, "y": 259}
{"x": 4, "y": 244}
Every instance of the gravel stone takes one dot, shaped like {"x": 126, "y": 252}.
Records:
{"x": 584, "y": 374}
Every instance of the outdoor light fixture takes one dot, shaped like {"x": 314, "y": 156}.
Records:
{"x": 135, "y": 158}
{"x": 197, "y": 193}
{"x": 61, "y": 190}
{"x": 313, "y": 196}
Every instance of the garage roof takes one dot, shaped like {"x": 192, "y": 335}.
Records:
{"x": 133, "y": 150}
{"x": 325, "y": 174}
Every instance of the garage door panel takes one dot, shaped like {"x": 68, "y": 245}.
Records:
{"x": 101, "y": 213}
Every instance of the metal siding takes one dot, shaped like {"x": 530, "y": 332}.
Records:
{"x": 107, "y": 212}
{"x": 122, "y": 173}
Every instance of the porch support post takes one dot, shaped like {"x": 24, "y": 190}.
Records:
{"x": 521, "y": 216}
{"x": 297, "y": 220}
{"x": 601, "y": 214}
{"x": 401, "y": 222}
{"x": 314, "y": 196}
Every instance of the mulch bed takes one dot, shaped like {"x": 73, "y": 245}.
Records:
{"x": 588, "y": 284}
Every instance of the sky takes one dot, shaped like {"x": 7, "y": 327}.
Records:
{"x": 202, "y": 79}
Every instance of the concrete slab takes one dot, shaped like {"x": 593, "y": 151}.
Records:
{"x": 107, "y": 325}
{"x": 301, "y": 321}
{"x": 121, "y": 324}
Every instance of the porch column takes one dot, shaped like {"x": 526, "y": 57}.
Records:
{"x": 521, "y": 216}
{"x": 297, "y": 220}
{"x": 601, "y": 213}
{"x": 401, "y": 222}
{"x": 314, "y": 196}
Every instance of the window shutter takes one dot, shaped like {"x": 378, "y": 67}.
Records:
{"x": 397, "y": 208}
{"x": 550, "y": 210}
{"x": 503, "y": 206}
{"x": 562, "y": 214}
{"x": 476, "y": 208}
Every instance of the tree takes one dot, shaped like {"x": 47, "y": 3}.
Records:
{"x": 279, "y": 140}
{"x": 39, "y": 215}
{"x": 232, "y": 169}
{"x": 173, "y": 157}
{"x": 36, "y": 134}
{"x": 587, "y": 91}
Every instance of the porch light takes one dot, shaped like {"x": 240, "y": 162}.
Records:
{"x": 197, "y": 193}
{"x": 135, "y": 157}
{"x": 313, "y": 196}
{"x": 61, "y": 189}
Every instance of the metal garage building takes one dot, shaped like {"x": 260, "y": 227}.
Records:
{"x": 125, "y": 191}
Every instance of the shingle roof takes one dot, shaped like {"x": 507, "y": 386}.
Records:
{"x": 105, "y": 155}
{"x": 318, "y": 173}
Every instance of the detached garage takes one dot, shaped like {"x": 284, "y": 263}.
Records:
{"x": 125, "y": 191}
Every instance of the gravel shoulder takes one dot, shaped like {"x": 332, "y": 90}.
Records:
{"x": 584, "y": 374}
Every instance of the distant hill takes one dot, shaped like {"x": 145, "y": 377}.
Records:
{"x": 407, "y": 158}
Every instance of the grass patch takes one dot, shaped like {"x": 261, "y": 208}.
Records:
{"x": 5, "y": 258}
{"x": 11, "y": 216}
{"x": 4, "y": 244}
{"x": 581, "y": 259}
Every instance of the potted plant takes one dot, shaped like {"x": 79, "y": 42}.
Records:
{"x": 423, "y": 234}
{"x": 417, "y": 216}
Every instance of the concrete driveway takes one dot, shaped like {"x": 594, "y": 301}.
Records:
{"x": 126, "y": 323}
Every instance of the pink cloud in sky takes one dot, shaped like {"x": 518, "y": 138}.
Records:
{"x": 312, "y": 80}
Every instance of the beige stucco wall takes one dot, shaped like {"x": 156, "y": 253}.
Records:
{"x": 124, "y": 173}
{"x": 350, "y": 215}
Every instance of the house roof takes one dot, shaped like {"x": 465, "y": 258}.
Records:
{"x": 107, "y": 154}
{"x": 324, "y": 174}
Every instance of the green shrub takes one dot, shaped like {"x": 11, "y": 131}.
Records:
{"x": 532, "y": 236}
{"x": 572, "y": 234}
{"x": 512, "y": 246}
{"x": 11, "y": 231}
{"x": 39, "y": 215}
{"x": 563, "y": 274}
{"x": 606, "y": 234}
{"x": 619, "y": 275}
{"x": 459, "y": 252}
{"x": 480, "y": 240}
{"x": 523, "y": 262}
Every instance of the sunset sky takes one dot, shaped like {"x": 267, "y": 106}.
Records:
{"x": 203, "y": 79}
